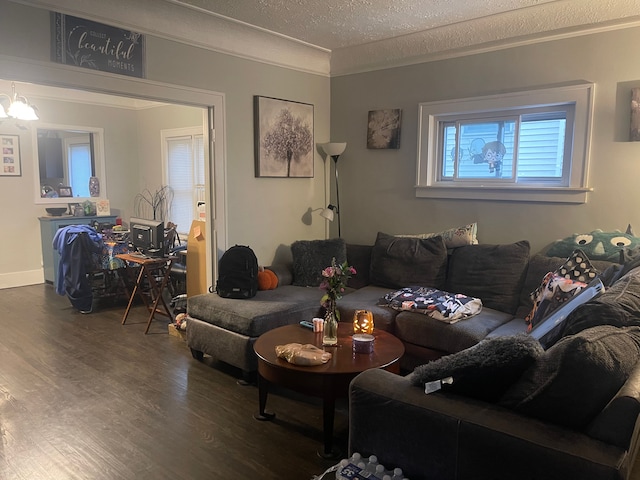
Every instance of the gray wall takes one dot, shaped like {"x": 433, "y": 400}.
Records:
{"x": 264, "y": 213}
{"x": 378, "y": 184}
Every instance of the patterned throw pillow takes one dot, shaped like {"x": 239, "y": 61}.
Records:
{"x": 576, "y": 268}
{"x": 454, "y": 237}
{"x": 551, "y": 294}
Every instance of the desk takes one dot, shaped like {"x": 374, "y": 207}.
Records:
{"x": 149, "y": 268}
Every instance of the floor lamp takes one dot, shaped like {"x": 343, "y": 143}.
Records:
{"x": 334, "y": 150}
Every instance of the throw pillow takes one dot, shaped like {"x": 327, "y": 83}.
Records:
{"x": 310, "y": 257}
{"x": 492, "y": 273}
{"x": 597, "y": 244}
{"x": 574, "y": 380}
{"x": 398, "y": 262}
{"x": 552, "y": 293}
{"x": 484, "y": 371}
{"x": 453, "y": 237}
{"x": 567, "y": 280}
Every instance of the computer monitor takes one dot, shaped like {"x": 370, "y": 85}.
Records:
{"x": 147, "y": 236}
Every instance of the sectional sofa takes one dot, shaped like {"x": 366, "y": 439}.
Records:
{"x": 502, "y": 276}
{"x": 568, "y": 412}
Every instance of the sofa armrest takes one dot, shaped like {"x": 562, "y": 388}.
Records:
{"x": 398, "y": 422}
{"x": 284, "y": 273}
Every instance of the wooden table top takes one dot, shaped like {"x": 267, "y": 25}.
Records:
{"x": 130, "y": 257}
{"x": 387, "y": 350}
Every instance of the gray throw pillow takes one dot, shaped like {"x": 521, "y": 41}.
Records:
{"x": 492, "y": 273}
{"x": 398, "y": 262}
{"x": 310, "y": 257}
{"x": 576, "y": 378}
{"x": 484, "y": 371}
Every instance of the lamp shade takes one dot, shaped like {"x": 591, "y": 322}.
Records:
{"x": 327, "y": 213}
{"x": 333, "y": 149}
{"x": 3, "y": 114}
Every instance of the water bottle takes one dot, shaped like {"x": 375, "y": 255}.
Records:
{"x": 343, "y": 463}
{"x": 397, "y": 474}
{"x": 372, "y": 464}
{"x": 379, "y": 473}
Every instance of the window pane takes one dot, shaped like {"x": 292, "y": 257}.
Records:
{"x": 449, "y": 150}
{"x": 79, "y": 168}
{"x": 487, "y": 149}
{"x": 541, "y": 149}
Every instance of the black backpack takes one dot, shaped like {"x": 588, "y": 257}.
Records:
{"x": 238, "y": 273}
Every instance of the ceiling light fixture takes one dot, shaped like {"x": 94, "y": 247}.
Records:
{"x": 19, "y": 107}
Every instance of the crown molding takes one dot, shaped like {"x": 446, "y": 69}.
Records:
{"x": 200, "y": 28}
{"x": 540, "y": 23}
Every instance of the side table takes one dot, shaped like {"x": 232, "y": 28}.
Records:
{"x": 328, "y": 381}
{"x": 148, "y": 268}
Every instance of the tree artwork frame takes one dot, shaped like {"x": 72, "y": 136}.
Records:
{"x": 283, "y": 138}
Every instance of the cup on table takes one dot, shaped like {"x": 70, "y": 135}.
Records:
{"x": 318, "y": 324}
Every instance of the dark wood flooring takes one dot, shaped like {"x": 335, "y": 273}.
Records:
{"x": 84, "y": 397}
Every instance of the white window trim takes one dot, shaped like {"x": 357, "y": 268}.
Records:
{"x": 428, "y": 185}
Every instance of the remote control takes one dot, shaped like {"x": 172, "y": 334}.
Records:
{"x": 306, "y": 324}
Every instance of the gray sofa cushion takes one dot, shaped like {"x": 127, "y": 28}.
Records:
{"x": 254, "y": 316}
{"x": 310, "y": 257}
{"x": 576, "y": 378}
{"x": 492, "y": 273}
{"x": 424, "y": 331}
{"x": 484, "y": 371}
{"x": 366, "y": 298}
{"x": 398, "y": 262}
{"x": 359, "y": 257}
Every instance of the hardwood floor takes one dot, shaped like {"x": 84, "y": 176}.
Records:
{"x": 84, "y": 397}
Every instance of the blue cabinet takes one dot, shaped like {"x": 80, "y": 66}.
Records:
{"x": 48, "y": 228}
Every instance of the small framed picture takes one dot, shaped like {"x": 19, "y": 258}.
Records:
{"x": 10, "y": 156}
{"x": 383, "y": 129}
{"x": 65, "y": 191}
{"x": 76, "y": 210}
{"x": 103, "y": 208}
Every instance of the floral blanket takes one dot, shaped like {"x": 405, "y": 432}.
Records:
{"x": 444, "y": 306}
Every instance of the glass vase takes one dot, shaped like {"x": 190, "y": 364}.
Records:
{"x": 330, "y": 332}
{"x": 94, "y": 186}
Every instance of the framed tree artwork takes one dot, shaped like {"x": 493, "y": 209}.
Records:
{"x": 283, "y": 138}
{"x": 10, "y": 149}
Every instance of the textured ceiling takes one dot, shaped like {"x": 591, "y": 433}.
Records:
{"x": 333, "y": 24}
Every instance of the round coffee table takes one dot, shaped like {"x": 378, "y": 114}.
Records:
{"x": 328, "y": 381}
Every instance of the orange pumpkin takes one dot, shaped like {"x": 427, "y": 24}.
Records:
{"x": 267, "y": 279}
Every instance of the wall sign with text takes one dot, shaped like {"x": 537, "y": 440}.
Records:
{"x": 83, "y": 43}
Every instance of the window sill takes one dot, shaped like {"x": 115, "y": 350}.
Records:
{"x": 506, "y": 193}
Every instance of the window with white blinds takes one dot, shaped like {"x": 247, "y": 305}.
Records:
{"x": 184, "y": 170}
{"x": 529, "y": 146}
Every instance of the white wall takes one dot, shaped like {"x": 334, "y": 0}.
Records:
{"x": 264, "y": 213}
{"x": 378, "y": 184}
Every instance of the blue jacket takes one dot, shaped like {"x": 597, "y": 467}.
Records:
{"x": 75, "y": 261}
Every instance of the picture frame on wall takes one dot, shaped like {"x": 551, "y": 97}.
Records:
{"x": 11, "y": 165}
{"x": 283, "y": 138}
{"x": 383, "y": 128}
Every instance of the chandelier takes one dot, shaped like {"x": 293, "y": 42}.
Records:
{"x": 19, "y": 107}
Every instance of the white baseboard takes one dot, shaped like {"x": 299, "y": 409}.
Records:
{"x": 20, "y": 279}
